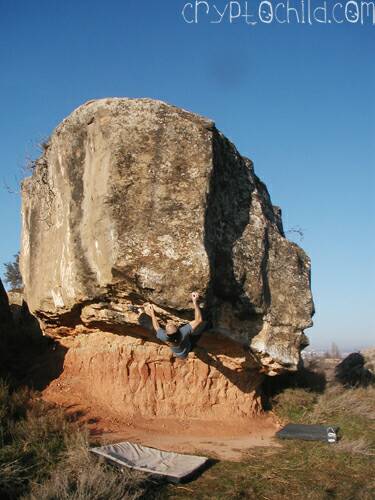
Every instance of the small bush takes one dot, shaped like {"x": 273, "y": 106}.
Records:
{"x": 12, "y": 273}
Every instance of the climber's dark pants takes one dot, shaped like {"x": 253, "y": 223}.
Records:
{"x": 194, "y": 338}
{"x": 197, "y": 334}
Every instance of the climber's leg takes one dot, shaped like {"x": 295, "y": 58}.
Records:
{"x": 196, "y": 334}
{"x": 199, "y": 330}
{"x": 194, "y": 340}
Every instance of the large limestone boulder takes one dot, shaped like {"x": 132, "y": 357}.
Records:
{"x": 136, "y": 200}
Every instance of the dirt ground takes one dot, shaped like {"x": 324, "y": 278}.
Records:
{"x": 223, "y": 440}
{"x": 214, "y": 439}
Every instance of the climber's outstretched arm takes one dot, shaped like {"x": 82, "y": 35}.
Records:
{"x": 149, "y": 309}
{"x": 197, "y": 312}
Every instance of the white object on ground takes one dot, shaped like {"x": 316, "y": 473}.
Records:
{"x": 174, "y": 466}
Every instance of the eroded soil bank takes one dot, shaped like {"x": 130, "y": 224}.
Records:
{"x": 131, "y": 388}
{"x": 132, "y": 376}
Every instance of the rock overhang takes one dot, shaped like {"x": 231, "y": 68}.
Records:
{"x": 136, "y": 200}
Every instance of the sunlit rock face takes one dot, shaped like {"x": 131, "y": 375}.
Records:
{"x": 136, "y": 200}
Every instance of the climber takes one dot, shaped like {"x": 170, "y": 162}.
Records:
{"x": 178, "y": 339}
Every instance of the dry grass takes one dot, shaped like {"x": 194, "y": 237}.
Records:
{"x": 45, "y": 455}
{"x": 79, "y": 475}
{"x": 338, "y": 400}
{"x": 11, "y": 478}
{"x": 360, "y": 446}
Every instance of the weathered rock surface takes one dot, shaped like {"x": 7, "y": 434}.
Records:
{"x": 6, "y": 324}
{"x": 135, "y": 200}
{"x": 5, "y": 314}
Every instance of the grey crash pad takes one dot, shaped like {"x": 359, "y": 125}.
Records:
{"x": 326, "y": 433}
{"x": 173, "y": 466}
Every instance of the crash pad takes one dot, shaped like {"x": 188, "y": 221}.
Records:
{"x": 173, "y": 466}
{"x": 307, "y": 432}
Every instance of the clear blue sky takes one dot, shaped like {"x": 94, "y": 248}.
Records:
{"x": 297, "y": 99}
